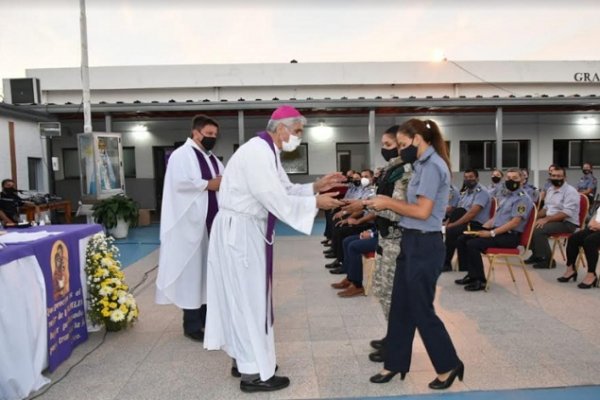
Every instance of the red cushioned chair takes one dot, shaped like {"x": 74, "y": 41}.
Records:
{"x": 560, "y": 239}
{"x": 493, "y": 207}
{"x": 505, "y": 253}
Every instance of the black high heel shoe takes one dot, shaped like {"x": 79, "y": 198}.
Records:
{"x": 568, "y": 278}
{"x": 440, "y": 385}
{"x": 591, "y": 285}
{"x": 383, "y": 378}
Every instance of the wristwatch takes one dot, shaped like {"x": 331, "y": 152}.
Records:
{"x": 493, "y": 233}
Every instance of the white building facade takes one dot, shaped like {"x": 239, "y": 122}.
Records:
{"x": 542, "y": 112}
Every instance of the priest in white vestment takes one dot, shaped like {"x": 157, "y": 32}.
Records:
{"x": 189, "y": 205}
{"x": 254, "y": 191}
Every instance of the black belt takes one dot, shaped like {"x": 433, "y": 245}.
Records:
{"x": 420, "y": 232}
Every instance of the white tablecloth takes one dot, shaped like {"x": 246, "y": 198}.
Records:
{"x": 23, "y": 325}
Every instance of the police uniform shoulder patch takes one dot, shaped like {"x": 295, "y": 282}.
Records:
{"x": 521, "y": 208}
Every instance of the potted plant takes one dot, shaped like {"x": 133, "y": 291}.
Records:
{"x": 116, "y": 214}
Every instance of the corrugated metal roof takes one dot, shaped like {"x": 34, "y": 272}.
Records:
{"x": 446, "y": 104}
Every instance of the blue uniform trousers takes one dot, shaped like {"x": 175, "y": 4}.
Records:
{"x": 353, "y": 257}
{"x": 470, "y": 248}
{"x": 194, "y": 320}
{"x": 417, "y": 269}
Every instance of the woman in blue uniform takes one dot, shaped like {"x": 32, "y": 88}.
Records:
{"x": 421, "y": 258}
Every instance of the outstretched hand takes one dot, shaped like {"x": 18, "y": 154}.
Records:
{"x": 377, "y": 203}
{"x": 328, "y": 182}
{"x": 327, "y": 201}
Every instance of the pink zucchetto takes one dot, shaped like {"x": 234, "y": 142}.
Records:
{"x": 284, "y": 112}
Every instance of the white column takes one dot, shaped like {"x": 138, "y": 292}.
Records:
{"x": 373, "y": 148}
{"x": 499, "y": 138}
{"x": 241, "y": 127}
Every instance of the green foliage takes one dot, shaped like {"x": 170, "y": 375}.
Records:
{"x": 108, "y": 211}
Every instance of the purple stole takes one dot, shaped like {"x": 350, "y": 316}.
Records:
{"x": 271, "y": 219}
{"x": 213, "y": 207}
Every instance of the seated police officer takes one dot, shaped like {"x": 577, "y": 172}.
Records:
{"x": 501, "y": 231}
{"x": 472, "y": 211}
{"x": 560, "y": 214}
{"x": 10, "y": 202}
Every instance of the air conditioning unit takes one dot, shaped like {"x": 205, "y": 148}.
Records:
{"x": 22, "y": 91}
{"x": 49, "y": 129}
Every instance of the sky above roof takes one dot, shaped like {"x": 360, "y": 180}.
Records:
{"x": 46, "y": 34}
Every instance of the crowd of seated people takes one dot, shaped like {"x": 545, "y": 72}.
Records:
{"x": 353, "y": 231}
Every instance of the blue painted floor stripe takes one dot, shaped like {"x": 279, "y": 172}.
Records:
{"x": 557, "y": 393}
{"x": 139, "y": 242}
{"x": 143, "y": 240}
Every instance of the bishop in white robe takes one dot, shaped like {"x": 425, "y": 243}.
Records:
{"x": 188, "y": 209}
{"x": 254, "y": 191}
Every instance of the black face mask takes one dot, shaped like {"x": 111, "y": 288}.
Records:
{"x": 469, "y": 184}
{"x": 511, "y": 185}
{"x": 587, "y": 171}
{"x": 388, "y": 154}
{"x": 10, "y": 190}
{"x": 356, "y": 183}
{"x": 208, "y": 142}
{"x": 409, "y": 154}
{"x": 496, "y": 179}
{"x": 557, "y": 182}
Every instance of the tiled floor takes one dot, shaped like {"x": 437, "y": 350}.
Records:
{"x": 508, "y": 338}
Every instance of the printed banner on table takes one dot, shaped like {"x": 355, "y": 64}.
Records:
{"x": 59, "y": 261}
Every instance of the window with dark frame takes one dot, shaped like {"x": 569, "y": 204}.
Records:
{"x": 570, "y": 153}
{"x": 481, "y": 154}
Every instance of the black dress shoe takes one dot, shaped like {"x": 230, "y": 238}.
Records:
{"x": 334, "y": 264}
{"x": 195, "y": 336}
{"x": 533, "y": 260}
{"x": 327, "y": 251}
{"x": 325, "y": 241}
{"x": 236, "y": 373}
{"x": 273, "y": 383}
{"x": 337, "y": 271}
{"x": 564, "y": 279}
{"x": 376, "y": 356}
{"x": 475, "y": 286}
{"x": 377, "y": 344}
{"x": 383, "y": 378}
{"x": 459, "y": 372}
{"x": 464, "y": 281}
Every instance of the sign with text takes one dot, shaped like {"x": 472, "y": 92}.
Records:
{"x": 59, "y": 261}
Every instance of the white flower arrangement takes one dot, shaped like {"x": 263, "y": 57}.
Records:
{"x": 110, "y": 302}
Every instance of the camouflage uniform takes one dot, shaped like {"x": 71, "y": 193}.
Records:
{"x": 385, "y": 261}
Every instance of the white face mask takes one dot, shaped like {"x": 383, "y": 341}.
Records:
{"x": 292, "y": 143}
{"x": 365, "y": 182}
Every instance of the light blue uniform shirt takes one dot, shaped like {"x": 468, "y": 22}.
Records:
{"x": 588, "y": 182}
{"x": 477, "y": 196}
{"x": 431, "y": 179}
{"x": 353, "y": 192}
{"x": 547, "y": 185}
{"x": 515, "y": 204}
{"x": 564, "y": 199}
{"x": 532, "y": 191}
{"x": 496, "y": 189}
{"x": 453, "y": 196}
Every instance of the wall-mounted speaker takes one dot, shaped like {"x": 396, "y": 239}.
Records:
{"x": 22, "y": 91}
